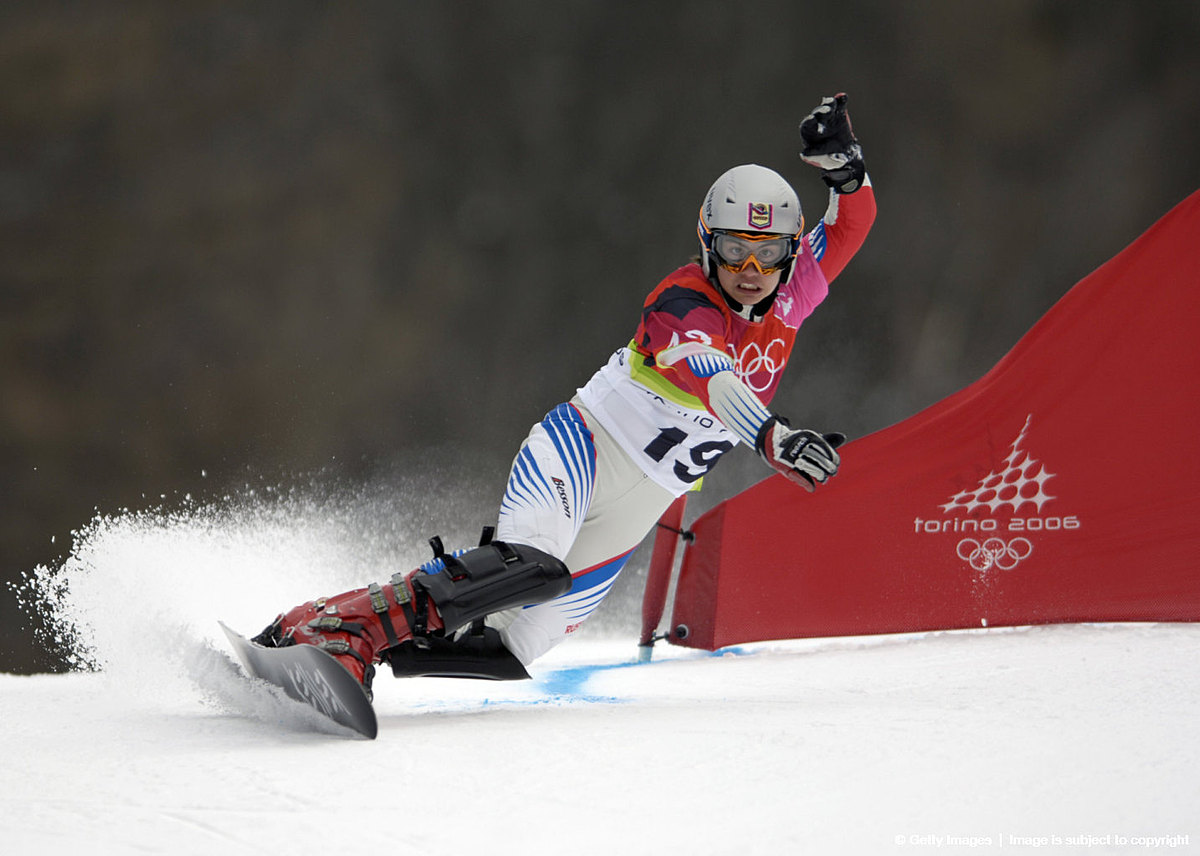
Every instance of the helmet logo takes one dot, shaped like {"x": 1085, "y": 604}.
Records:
{"x": 760, "y": 215}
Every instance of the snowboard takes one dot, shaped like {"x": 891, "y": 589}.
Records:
{"x": 309, "y": 675}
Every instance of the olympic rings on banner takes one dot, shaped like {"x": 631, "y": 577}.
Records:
{"x": 994, "y": 553}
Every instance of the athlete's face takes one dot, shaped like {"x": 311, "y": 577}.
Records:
{"x": 748, "y": 287}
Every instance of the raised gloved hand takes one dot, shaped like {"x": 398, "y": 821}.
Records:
{"x": 805, "y": 457}
{"x": 830, "y": 145}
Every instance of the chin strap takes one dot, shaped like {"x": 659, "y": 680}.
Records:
{"x": 753, "y": 313}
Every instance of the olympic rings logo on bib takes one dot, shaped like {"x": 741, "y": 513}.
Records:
{"x": 994, "y": 553}
{"x": 758, "y": 367}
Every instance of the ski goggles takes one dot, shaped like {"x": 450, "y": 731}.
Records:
{"x": 736, "y": 251}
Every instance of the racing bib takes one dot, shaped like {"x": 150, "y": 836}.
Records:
{"x": 670, "y": 435}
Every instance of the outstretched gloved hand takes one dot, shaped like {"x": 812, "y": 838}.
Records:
{"x": 830, "y": 145}
{"x": 805, "y": 457}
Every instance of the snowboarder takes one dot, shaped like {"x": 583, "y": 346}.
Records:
{"x": 597, "y": 472}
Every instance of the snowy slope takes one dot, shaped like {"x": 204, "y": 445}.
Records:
{"x": 955, "y": 742}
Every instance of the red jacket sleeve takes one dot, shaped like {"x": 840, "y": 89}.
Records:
{"x": 843, "y": 229}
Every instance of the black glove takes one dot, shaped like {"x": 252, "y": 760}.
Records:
{"x": 805, "y": 457}
{"x": 830, "y": 145}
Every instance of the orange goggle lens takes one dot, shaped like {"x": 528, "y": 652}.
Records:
{"x": 736, "y": 251}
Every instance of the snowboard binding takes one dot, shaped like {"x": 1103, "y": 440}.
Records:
{"x": 431, "y": 620}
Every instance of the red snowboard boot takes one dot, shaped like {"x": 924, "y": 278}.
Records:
{"x": 354, "y": 627}
{"x": 415, "y": 614}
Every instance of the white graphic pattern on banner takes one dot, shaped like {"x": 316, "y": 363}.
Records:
{"x": 1023, "y": 480}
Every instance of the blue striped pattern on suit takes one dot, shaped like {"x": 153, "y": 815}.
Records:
{"x": 708, "y": 364}
{"x": 816, "y": 240}
{"x": 529, "y": 487}
{"x": 589, "y": 588}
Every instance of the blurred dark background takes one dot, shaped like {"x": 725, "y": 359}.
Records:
{"x": 247, "y": 243}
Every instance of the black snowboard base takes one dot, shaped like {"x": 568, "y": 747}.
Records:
{"x": 310, "y": 675}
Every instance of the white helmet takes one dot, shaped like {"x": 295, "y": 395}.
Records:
{"x": 750, "y": 200}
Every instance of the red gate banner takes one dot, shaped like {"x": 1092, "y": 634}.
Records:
{"x": 1063, "y": 486}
